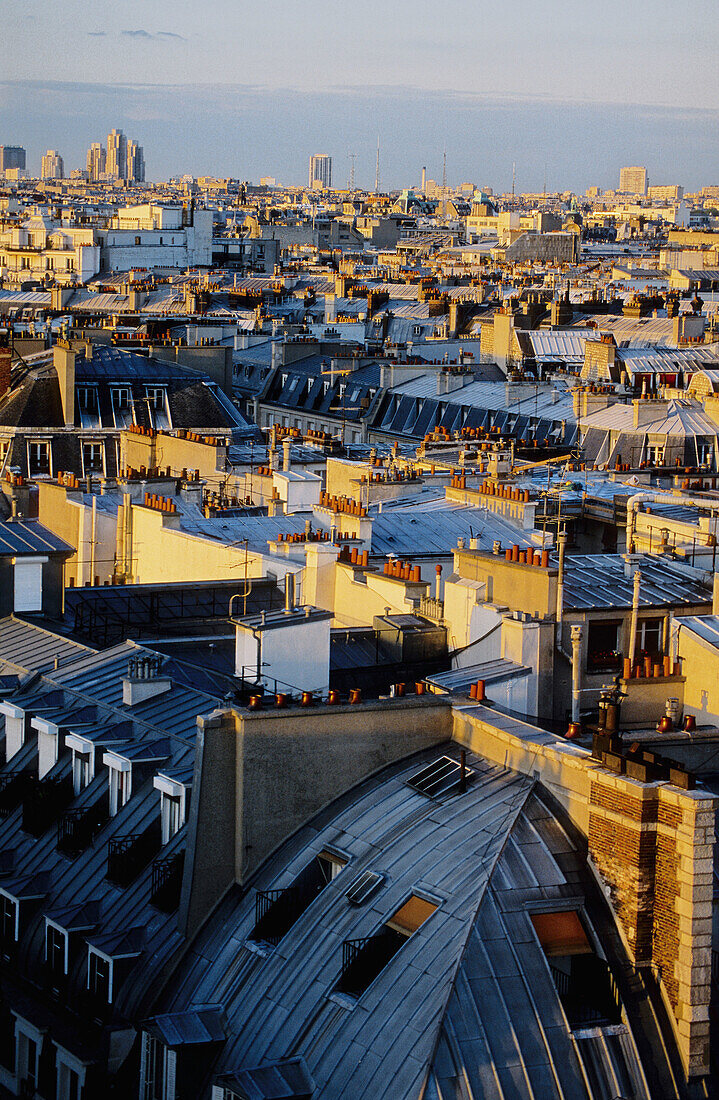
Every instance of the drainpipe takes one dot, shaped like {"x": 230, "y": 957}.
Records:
{"x": 576, "y": 636}
{"x": 635, "y": 616}
{"x": 128, "y": 537}
{"x": 120, "y": 540}
{"x": 93, "y": 534}
{"x": 562, "y": 543}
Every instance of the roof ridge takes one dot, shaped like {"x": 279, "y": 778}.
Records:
{"x": 527, "y": 789}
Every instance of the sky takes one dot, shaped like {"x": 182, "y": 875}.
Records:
{"x": 567, "y": 91}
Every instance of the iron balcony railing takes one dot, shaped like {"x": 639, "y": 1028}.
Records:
{"x": 364, "y": 959}
{"x": 167, "y": 882}
{"x": 43, "y": 802}
{"x": 77, "y": 829}
{"x": 277, "y": 910}
{"x": 13, "y": 787}
{"x": 128, "y": 855}
{"x": 589, "y": 993}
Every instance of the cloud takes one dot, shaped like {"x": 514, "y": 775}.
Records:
{"x": 149, "y": 36}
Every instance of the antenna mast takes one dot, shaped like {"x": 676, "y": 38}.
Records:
{"x": 513, "y": 176}
{"x": 352, "y": 171}
{"x": 444, "y": 170}
{"x": 376, "y": 174}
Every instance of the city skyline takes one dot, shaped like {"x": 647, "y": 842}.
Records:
{"x": 247, "y": 132}
{"x": 546, "y": 69}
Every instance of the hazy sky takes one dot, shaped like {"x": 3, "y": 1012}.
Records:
{"x": 244, "y": 88}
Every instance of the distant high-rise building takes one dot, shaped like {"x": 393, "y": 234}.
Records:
{"x": 320, "y": 170}
{"x": 634, "y": 180}
{"x": 11, "y": 156}
{"x": 116, "y": 162}
{"x": 668, "y": 192}
{"x": 96, "y": 159}
{"x": 135, "y": 163}
{"x": 51, "y": 166}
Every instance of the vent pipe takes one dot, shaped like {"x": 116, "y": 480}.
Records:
{"x": 562, "y": 544}
{"x": 635, "y": 616}
{"x": 289, "y": 593}
{"x": 576, "y": 636}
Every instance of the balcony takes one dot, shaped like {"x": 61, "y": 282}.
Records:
{"x": 588, "y": 991}
{"x": 167, "y": 882}
{"x": 43, "y": 802}
{"x": 363, "y": 960}
{"x": 13, "y": 787}
{"x": 77, "y": 829}
{"x": 128, "y": 855}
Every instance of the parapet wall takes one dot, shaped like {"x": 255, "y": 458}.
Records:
{"x": 651, "y": 843}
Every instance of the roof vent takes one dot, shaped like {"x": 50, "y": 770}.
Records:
{"x": 363, "y": 887}
{"x": 439, "y": 777}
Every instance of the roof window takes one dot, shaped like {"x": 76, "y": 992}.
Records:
{"x": 440, "y": 777}
{"x": 584, "y": 982}
{"x": 276, "y": 911}
{"x": 363, "y": 960}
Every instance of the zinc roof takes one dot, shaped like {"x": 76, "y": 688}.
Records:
{"x": 28, "y": 536}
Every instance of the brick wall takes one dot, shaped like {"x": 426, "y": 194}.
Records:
{"x": 653, "y": 846}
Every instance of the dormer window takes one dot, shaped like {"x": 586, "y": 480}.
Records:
{"x": 99, "y": 976}
{"x": 157, "y": 1070}
{"x": 121, "y": 397}
{"x": 88, "y": 407}
{"x": 174, "y": 797}
{"x": 83, "y": 762}
{"x": 120, "y": 779}
{"x": 38, "y": 458}
{"x": 56, "y": 949}
{"x": 16, "y": 722}
{"x": 9, "y": 923}
{"x": 156, "y": 399}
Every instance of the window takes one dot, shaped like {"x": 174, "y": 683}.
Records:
{"x": 583, "y": 981}
{"x": 705, "y": 453}
{"x": 439, "y": 777}
{"x": 157, "y": 1070}
{"x": 27, "y": 579}
{"x": 27, "y": 1067}
{"x": 83, "y": 761}
{"x": 173, "y": 805}
{"x": 38, "y": 458}
{"x": 82, "y": 770}
{"x": 99, "y": 976}
{"x": 88, "y": 407}
{"x": 156, "y": 398}
{"x": 93, "y": 458}
{"x": 8, "y": 923}
{"x": 138, "y": 240}
{"x": 55, "y": 949}
{"x": 120, "y": 787}
{"x": 603, "y": 653}
{"x": 364, "y": 960}
{"x": 69, "y": 1085}
{"x": 655, "y": 454}
{"x": 649, "y": 637}
{"x": 276, "y": 911}
{"x": 121, "y": 398}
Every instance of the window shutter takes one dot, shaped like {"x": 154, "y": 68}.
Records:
{"x": 28, "y": 586}
{"x": 144, "y": 1053}
{"x": 170, "y": 1066}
